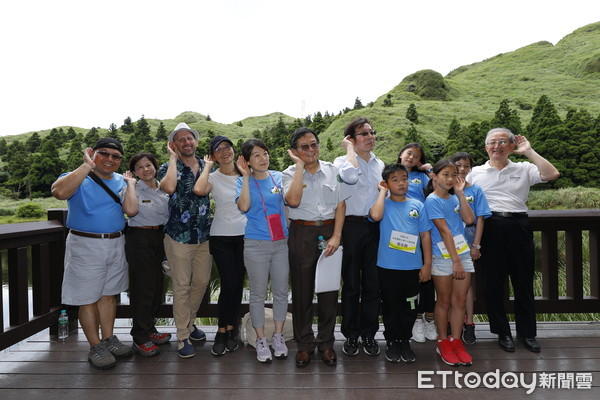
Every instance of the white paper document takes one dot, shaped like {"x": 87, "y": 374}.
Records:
{"x": 329, "y": 272}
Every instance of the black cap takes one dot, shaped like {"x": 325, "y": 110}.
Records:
{"x": 217, "y": 140}
{"x": 110, "y": 143}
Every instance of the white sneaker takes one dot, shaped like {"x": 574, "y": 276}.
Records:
{"x": 280, "y": 350}
{"x": 263, "y": 353}
{"x": 430, "y": 330}
{"x": 418, "y": 331}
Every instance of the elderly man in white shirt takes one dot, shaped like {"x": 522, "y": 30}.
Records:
{"x": 507, "y": 247}
{"x": 360, "y": 170}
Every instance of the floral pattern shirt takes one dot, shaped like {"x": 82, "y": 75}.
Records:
{"x": 189, "y": 215}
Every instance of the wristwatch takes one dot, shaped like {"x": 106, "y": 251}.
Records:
{"x": 477, "y": 246}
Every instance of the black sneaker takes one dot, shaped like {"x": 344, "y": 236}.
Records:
{"x": 350, "y": 346}
{"x": 219, "y": 348}
{"x": 231, "y": 341}
{"x": 370, "y": 346}
{"x": 406, "y": 353}
{"x": 392, "y": 351}
{"x": 468, "y": 334}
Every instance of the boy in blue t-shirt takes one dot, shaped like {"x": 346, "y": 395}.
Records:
{"x": 404, "y": 229}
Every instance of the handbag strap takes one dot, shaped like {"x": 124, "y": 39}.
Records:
{"x": 261, "y": 196}
{"x": 99, "y": 181}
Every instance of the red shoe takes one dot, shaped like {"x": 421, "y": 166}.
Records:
{"x": 147, "y": 349}
{"x": 459, "y": 349}
{"x": 160, "y": 338}
{"x": 446, "y": 352}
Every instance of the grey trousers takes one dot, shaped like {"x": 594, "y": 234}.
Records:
{"x": 264, "y": 258}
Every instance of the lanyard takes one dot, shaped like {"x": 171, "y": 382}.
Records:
{"x": 262, "y": 199}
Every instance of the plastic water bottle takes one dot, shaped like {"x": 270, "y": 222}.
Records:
{"x": 322, "y": 243}
{"x": 63, "y": 325}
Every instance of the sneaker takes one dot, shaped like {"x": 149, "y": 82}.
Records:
{"x": 197, "y": 334}
{"x": 468, "y": 334}
{"x": 160, "y": 338}
{"x": 100, "y": 357}
{"x": 231, "y": 341}
{"x": 370, "y": 346}
{"x": 459, "y": 349}
{"x": 185, "y": 349}
{"x": 117, "y": 349}
{"x": 418, "y": 331}
{"x": 147, "y": 349}
{"x": 350, "y": 346}
{"x": 406, "y": 353}
{"x": 263, "y": 353}
{"x": 219, "y": 348}
{"x": 392, "y": 351}
{"x": 430, "y": 330}
{"x": 446, "y": 352}
{"x": 280, "y": 350}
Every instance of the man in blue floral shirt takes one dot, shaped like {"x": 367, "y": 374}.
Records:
{"x": 187, "y": 232}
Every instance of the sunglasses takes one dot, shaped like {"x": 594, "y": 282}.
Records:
{"x": 366, "y": 133}
{"x": 305, "y": 147}
{"x": 106, "y": 154}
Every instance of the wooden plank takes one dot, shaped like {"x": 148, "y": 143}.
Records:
{"x": 18, "y": 302}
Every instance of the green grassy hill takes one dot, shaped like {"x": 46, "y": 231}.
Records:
{"x": 568, "y": 73}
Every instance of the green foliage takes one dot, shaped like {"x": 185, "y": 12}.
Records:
{"x": 30, "y": 210}
{"x": 3, "y": 146}
{"x": 411, "y": 113}
{"x": 427, "y": 84}
{"x": 91, "y": 137}
{"x": 113, "y": 132}
{"x": 568, "y": 198}
{"x": 358, "y": 104}
{"x": 161, "y": 133}
{"x": 387, "y": 102}
{"x": 33, "y": 142}
{"x": 508, "y": 118}
{"x": 208, "y": 118}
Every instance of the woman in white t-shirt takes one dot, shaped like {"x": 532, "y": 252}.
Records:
{"x": 226, "y": 241}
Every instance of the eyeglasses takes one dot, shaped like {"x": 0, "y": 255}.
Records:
{"x": 106, "y": 154}
{"x": 493, "y": 143}
{"x": 222, "y": 148}
{"x": 305, "y": 147}
{"x": 366, "y": 133}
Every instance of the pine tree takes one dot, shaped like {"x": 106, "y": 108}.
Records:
{"x": 75, "y": 156}
{"x": 113, "y": 132}
{"x": 45, "y": 167}
{"x": 161, "y": 133}
{"x": 318, "y": 125}
{"x": 71, "y": 133}
{"x": 454, "y": 140}
{"x": 387, "y": 102}
{"x": 358, "y": 104}
{"x": 33, "y": 142}
{"x": 3, "y": 146}
{"x": 208, "y": 118}
{"x": 508, "y": 118}
{"x": 91, "y": 137}
{"x": 17, "y": 166}
{"x": 411, "y": 113}
{"x": 329, "y": 145}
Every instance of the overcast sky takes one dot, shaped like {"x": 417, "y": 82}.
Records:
{"x": 85, "y": 64}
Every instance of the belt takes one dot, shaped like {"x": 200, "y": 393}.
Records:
{"x": 313, "y": 223}
{"x": 509, "y": 214}
{"x": 361, "y": 218}
{"x": 147, "y": 227}
{"x": 113, "y": 235}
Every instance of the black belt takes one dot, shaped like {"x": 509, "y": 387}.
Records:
{"x": 112, "y": 235}
{"x": 504, "y": 214}
{"x": 146, "y": 227}
{"x": 313, "y": 223}
{"x": 361, "y": 218}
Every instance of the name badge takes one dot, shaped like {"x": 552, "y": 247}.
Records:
{"x": 146, "y": 201}
{"x": 461, "y": 246}
{"x": 403, "y": 241}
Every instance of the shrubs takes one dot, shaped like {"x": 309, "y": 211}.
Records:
{"x": 30, "y": 210}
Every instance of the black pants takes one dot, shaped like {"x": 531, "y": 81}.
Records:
{"x": 228, "y": 253}
{"x": 507, "y": 250}
{"x": 426, "y": 297}
{"x": 399, "y": 290}
{"x": 145, "y": 252}
{"x": 303, "y": 257}
{"x": 360, "y": 292}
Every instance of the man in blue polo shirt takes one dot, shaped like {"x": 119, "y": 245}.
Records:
{"x": 95, "y": 264}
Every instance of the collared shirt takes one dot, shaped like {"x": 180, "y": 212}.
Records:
{"x": 189, "y": 215}
{"x": 152, "y": 205}
{"x": 506, "y": 190}
{"x": 91, "y": 209}
{"x": 360, "y": 183}
{"x": 321, "y": 193}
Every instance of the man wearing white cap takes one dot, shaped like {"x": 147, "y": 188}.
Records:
{"x": 187, "y": 232}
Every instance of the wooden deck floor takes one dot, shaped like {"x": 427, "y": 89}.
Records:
{"x": 42, "y": 369}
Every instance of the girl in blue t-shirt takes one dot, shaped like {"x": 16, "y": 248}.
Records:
{"x": 448, "y": 209}
{"x": 259, "y": 195}
{"x": 473, "y": 233}
{"x": 412, "y": 156}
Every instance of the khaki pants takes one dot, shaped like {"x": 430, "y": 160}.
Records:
{"x": 190, "y": 272}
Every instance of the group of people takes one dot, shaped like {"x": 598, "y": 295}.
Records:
{"x": 411, "y": 234}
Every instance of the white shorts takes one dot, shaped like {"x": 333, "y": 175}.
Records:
{"x": 441, "y": 266}
{"x": 93, "y": 268}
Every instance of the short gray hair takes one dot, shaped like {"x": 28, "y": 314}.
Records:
{"x": 511, "y": 136}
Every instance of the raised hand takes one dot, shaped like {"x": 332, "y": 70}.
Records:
{"x": 208, "y": 161}
{"x": 522, "y": 144}
{"x": 171, "y": 151}
{"x": 88, "y": 157}
{"x": 347, "y": 143}
{"x": 243, "y": 166}
{"x": 295, "y": 158}
{"x": 459, "y": 185}
{"x": 128, "y": 176}
{"x": 425, "y": 167}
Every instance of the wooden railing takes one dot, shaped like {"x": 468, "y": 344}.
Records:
{"x": 42, "y": 244}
